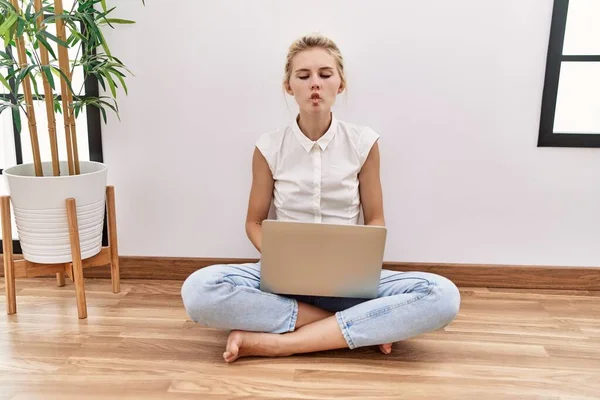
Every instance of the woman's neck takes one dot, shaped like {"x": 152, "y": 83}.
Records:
{"x": 315, "y": 125}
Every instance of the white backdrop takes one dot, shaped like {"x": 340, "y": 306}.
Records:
{"x": 453, "y": 87}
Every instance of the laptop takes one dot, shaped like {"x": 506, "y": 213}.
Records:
{"x": 317, "y": 259}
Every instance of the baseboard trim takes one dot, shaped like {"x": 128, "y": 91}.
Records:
{"x": 464, "y": 275}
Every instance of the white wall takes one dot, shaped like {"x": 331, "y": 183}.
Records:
{"x": 454, "y": 89}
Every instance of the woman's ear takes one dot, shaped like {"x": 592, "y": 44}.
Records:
{"x": 341, "y": 88}
{"x": 288, "y": 88}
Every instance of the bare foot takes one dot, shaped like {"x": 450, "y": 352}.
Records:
{"x": 242, "y": 344}
{"x": 386, "y": 348}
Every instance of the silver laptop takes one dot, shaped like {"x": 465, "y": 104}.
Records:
{"x": 315, "y": 259}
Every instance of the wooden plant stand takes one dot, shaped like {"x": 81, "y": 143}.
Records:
{"x": 109, "y": 255}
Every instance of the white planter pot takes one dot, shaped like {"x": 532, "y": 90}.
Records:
{"x": 39, "y": 205}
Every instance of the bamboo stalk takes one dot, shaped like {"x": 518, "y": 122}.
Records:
{"x": 63, "y": 63}
{"x": 71, "y": 113}
{"x": 49, "y": 97}
{"x": 74, "y": 136}
{"x": 35, "y": 145}
{"x": 73, "y": 133}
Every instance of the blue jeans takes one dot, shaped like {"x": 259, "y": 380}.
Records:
{"x": 409, "y": 304}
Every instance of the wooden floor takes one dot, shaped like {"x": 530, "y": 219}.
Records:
{"x": 510, "y": 344}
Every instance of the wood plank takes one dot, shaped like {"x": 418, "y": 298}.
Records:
{"x": 99, "y": 260}
{"x": 28, "y": 269}
{"x": 140, "y": 344}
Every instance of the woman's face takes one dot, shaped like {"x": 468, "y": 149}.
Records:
{"x": 314, "y": 81}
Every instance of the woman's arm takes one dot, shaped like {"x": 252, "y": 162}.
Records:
{"x": 370, "y": 189}
{"x": 259, "y": 203}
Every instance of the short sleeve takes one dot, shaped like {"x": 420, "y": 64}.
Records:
{"x": 367, "y": 140}
{"x": 265, "y": 145}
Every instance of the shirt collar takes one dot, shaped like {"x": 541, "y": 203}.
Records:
{"x": 322, "y": 142}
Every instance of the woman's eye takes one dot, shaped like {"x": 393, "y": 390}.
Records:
{"x": 322, "y": 76}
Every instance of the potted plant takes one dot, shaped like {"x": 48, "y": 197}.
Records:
{"x": 37, "y": 36}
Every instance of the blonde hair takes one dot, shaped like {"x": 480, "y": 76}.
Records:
{"x": 314, "y": 40}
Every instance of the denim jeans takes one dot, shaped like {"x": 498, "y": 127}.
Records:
{"x": 409, "y": 304}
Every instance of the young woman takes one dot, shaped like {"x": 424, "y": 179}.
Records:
{"x": 317, "y": 169}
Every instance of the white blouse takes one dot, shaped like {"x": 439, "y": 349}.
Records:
{"x": 317, "y": 181}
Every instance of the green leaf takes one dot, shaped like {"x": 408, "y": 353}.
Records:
{"x": 118, "y": 64}
{"x": 111, "y": 83}
{"x": 54, "y": 38}
{"x": 120, "y": 79}
{"x": 16, "y": 119}
{"x": 5, "y": 82}
{"x": 4, "y": 106}
{"x": 35, "y": 16}
{"x": 62, "y": 74}
{"x": 115, "y": 108}
{"x": 98, "y": 34}
{"x": 54, "y": 70}
{"x": 119, "y": 21}
{"x": 8, "y": 6}
{"x": 75, "y": 38}
{"x": 103, "y": 113}
{"x": 100, "y": 80}
{"x": 103, "y": 2}
{"x": 70, "y": 20}
{"x": 30, "y": 56}
{"x": 49, "y": 77}
{"x": 28, "y": 10}
{"x": 24, "y": 73}
{"x": 8, "y": 23}
{"x": 35, "y": 86}
{"x": 11, "y": 73}
{"x": 12, "y": 31}
{"x": 57, "y": 105}
{"x": 101, "y": 16}
{"x": 20, "y": 27}
{"x": 45, "y": 43}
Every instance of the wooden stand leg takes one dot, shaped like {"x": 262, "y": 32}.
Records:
{"x": 60, "y": 279}
{"x": 112, "y": 238}
{"x": 76, "y": 255}
{"x": 7, "y": 251}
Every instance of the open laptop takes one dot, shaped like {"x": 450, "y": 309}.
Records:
{"x": 316, "y": 259}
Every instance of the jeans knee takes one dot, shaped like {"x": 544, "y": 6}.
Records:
{"x": 198, "y": 301}
{"x": 449, "y": 300}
